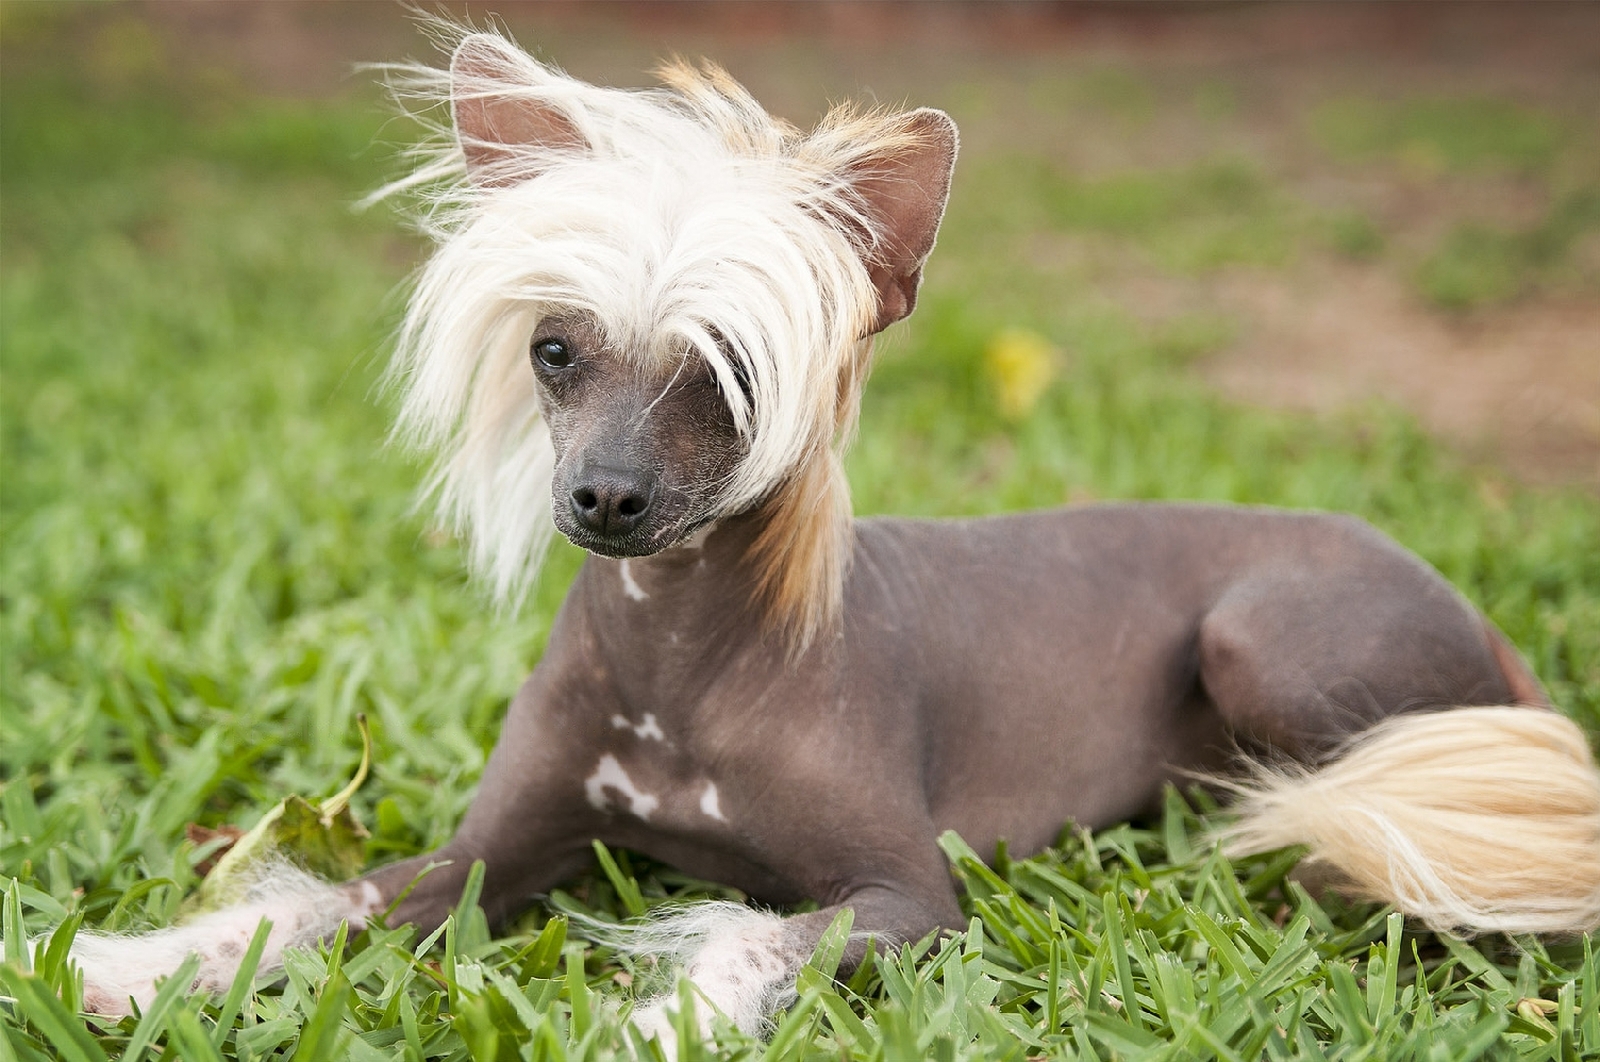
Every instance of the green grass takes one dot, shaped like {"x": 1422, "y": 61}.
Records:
{"x": 1478, "y": 265}
{"x": 1439, "y": 143}
{"x": 1433, "y": 133}
{"x": 211, "y": 566}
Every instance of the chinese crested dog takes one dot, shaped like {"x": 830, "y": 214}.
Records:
{"x": 647, "y": 324}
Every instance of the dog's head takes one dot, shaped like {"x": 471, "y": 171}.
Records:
{"x": 651, "y": 310}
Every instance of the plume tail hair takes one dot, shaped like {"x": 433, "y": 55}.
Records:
{"x": 1469, "y": 820}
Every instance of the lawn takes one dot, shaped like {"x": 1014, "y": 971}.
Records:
{"x": 212, "y": 565}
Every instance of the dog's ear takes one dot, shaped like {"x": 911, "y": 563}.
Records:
{"x": 502, "y": 131}
{"x": 905, "y": 190}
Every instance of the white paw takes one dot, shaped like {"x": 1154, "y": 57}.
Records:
{"x": 118, "y": 968}
{"x": 654, "y": 1022}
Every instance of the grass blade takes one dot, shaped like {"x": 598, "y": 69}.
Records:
{"x": 38, "y": 1006}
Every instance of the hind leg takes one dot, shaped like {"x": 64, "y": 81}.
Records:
{"x": 1482, "y": 818}
{"x": 1301, "y": 658}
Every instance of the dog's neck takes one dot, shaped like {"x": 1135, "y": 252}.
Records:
{"x": 708, "y": 575}
{"x": 672, "y": 620}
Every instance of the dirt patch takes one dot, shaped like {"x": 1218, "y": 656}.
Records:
{"x": 1520, "y": 386}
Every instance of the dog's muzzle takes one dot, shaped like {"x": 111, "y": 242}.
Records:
{"x": 612, "y": 503}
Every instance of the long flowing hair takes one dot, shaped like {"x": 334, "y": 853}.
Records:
{"x": 689, "y": 223}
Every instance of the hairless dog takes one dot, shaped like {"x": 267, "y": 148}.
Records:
{"x": 647, "y": 325}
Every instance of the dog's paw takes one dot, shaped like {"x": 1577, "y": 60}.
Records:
{"x": 117, "y": 974}
{"x": 654, "y": 1022}
{"x": 104, "y": 1001}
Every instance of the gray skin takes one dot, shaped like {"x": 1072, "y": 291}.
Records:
{"x": 997, "y": 676}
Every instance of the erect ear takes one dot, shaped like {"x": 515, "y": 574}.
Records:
{"x": 905, "y": 190}
{"x": 501, "y": 131}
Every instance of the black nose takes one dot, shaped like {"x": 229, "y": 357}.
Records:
{"x": 612, "y": 501}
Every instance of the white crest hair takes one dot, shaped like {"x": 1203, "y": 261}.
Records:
{"x": 689, "y": 223}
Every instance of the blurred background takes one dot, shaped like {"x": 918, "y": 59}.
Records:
{"x": 1334, "y": 255}
{"x": 1391, "y": 203}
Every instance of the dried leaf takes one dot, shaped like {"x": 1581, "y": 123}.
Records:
{"x": 323, "y": 837}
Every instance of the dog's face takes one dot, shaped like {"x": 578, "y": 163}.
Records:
{"x": 642, "y": 450}
{"x": 652, "y": 310}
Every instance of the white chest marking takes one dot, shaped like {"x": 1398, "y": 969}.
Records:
{"x": 709, "y": 804}
{"x": 648, "y": 730}
{"x": 608, "y": 774}
{"x": 630, "y": 586}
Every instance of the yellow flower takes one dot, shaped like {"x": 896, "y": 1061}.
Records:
{"x": 1021, "y": 363}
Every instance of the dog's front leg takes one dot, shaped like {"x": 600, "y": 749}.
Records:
{"x": 529, "y": 825}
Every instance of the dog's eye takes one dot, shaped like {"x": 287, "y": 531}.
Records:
{"x": 741, "y": 375}
{"x": 551, "y": 353}
{"x": 741, "y": 370}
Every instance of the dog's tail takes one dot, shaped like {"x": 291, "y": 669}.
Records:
{"x": 1470, "y": 820}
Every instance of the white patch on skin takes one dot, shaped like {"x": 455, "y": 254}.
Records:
{"x": 649, "y": 730}
{"x": 629, "y": 585}
{"x": 709, "y": 805}
{"x": 608, "y": 774}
